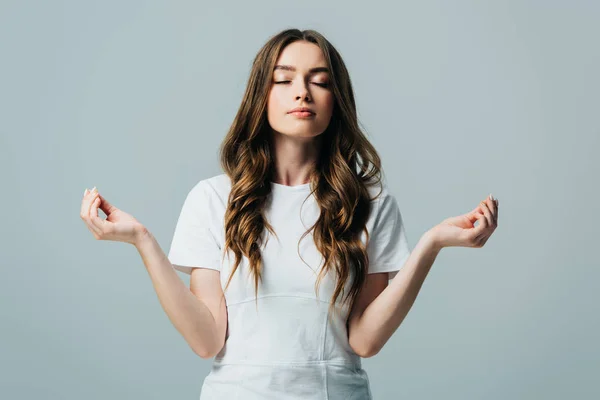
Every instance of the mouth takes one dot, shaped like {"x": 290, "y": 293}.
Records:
{"x": 302, "y": 114}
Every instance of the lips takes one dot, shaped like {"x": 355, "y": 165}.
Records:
{"x": 301, "y": 110}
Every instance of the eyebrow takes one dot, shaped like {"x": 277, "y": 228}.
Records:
{"x": 292, "y": 68}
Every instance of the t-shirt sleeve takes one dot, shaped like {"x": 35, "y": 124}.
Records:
{"x": 194, "y": 243}
{"x": 388, "y": 247}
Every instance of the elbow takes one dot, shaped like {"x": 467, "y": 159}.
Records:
{"x": 363, "y": 348}
{"x": 205, "y": 356}
{"x": 209, "y": 345}
{"x": 368, "y": 352}
{"x": 203, "y": 353}
{"x": 207, "y": 352}
{"x": 371, "y": 353}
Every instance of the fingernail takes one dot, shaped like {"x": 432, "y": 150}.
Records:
{"x": 491, "y": 197}
{"x": 86, "y": 191}
{"x": 94, "y": 189}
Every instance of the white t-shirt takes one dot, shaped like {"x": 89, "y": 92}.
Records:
{"x": 287, "y": 348}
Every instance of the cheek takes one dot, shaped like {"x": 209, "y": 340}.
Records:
{"x": 274, "y": 109}
{"x": 274, "y": 102}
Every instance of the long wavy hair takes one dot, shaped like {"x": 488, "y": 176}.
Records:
{"x": 347, "y": 164}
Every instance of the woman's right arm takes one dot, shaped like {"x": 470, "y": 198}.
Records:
{"x": 200, "y": 313}
{"x": 199, "y": 322}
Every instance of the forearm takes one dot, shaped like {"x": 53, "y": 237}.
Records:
{"x": 190, "y": 316}
{"x": 384, "y": 315}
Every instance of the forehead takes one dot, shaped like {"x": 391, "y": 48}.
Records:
{"x": 302, "y": 55}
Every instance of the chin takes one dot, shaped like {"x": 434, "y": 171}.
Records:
{"x": 300, "y": 132}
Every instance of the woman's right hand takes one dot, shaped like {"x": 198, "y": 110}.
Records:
{"x": 118, "y": 225}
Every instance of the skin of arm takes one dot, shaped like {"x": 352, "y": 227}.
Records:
{"x": 381, "y": 307}
{"x": 190, "y": 315}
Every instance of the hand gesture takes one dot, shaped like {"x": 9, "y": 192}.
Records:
{"x": 461, "y": 230}
{"x": 118, "y": 225}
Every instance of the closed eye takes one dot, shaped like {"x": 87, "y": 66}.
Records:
{"x": 316, "y": 83}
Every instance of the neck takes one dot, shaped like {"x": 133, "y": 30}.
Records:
{"x": 294, "y": 158}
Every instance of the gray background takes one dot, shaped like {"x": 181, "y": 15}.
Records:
{"x": 461, "y": 99}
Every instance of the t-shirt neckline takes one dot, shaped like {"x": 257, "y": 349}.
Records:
{"x": 285, "y": 188}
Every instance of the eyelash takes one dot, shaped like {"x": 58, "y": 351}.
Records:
{"x": 324, "y": 85}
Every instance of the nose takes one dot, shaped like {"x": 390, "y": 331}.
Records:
{"x": 303, "y": 92}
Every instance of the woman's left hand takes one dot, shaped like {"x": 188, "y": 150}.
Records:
{"x": 461, "y": 230}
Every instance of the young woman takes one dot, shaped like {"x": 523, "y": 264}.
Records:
{"x": 291, "y": 250}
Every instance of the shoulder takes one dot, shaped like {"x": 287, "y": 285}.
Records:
{"x": 380, "y": 194}
{"x": 214, "y": 187}
{"x": 385, "y": 207}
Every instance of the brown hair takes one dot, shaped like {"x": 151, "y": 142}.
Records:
{"x": 346, "y": 165}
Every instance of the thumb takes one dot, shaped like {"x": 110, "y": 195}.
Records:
{"x": 106, "y": 206}
{"x": 473, "y": 215}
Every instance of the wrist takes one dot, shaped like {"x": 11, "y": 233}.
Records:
{"x": 432, "y": 240}
{"x": 142, "y": 236}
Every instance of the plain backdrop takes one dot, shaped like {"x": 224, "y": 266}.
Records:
{"x": 461, "y": 99}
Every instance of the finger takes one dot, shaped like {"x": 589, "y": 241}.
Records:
{"x": 97, "y": 234}
{"x": 88, "y": 215}
{"x": 497, "y": 208}
{"x": 474, "y": 215}
{"x": 492, "y": 206}
{"x": 84, "y": 203}
{"x": 92, "y": 197}
{"x": 483, "y": 224}
{"x": 474, "y": 235}
{"x": 94, "y": 218}
{"x": 487, "y": 213}
{"x": 105, "y": 206}
{"x": 88, "y": 198}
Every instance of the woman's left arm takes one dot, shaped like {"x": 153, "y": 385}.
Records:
{"x": 380, "y": 319}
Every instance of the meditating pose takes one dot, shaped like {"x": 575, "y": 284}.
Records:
{"x": 298, "y": 258}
